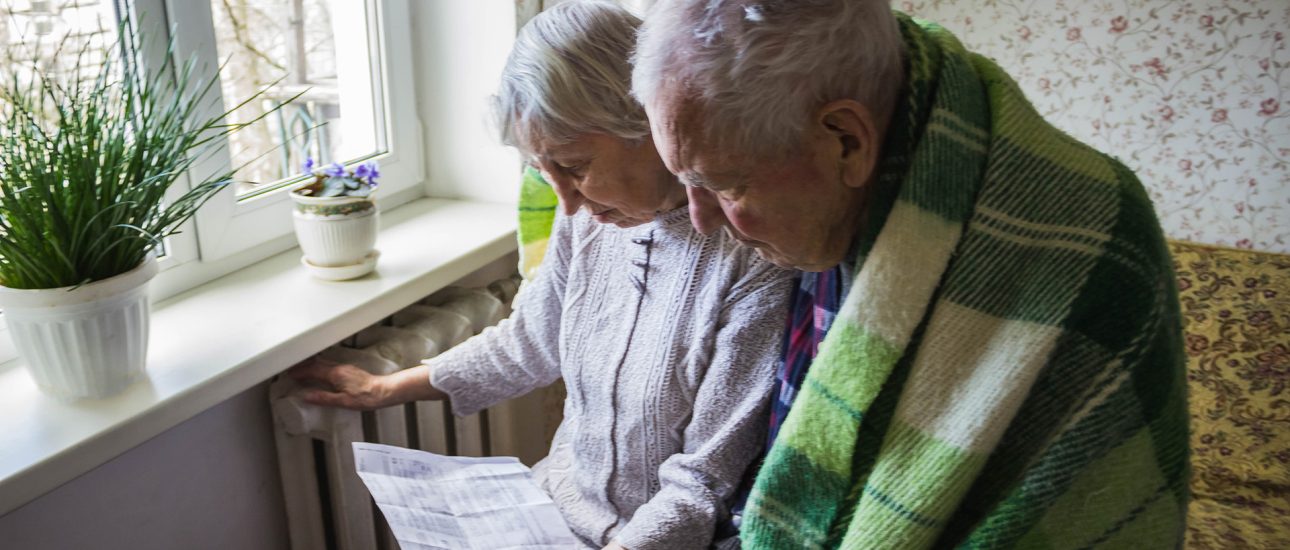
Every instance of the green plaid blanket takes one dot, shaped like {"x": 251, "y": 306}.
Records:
{"x": 537, "y": 215}
{"x": 1008, "y": 370}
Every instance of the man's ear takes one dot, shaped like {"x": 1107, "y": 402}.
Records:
{"x": 855, "y": 139}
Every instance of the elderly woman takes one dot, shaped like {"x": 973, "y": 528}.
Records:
{"x": 665, "y": 338}
{"x": 990, "y": 322}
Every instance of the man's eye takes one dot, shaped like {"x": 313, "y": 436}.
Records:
{"x": 732, "y": 193}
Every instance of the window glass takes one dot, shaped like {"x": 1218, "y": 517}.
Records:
{"x": 311, "y": 48}
{"x": 51, "y": 35}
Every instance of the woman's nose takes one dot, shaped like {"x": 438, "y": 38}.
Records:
{"x": 570, "y": 199}
{"x": 705, "y": 211}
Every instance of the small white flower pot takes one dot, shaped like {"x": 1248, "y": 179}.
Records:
{"x": 337, "y": 234}
{"x": 83, "y": 342}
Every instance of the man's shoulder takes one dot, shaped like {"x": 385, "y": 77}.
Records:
{"x": 1056, "y": 189}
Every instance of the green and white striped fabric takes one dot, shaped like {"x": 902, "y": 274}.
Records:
{"x": 537, "y": 216}
{"x": 1008, "y": 370}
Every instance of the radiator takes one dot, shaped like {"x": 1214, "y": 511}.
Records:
{"x": 327, "y": 504}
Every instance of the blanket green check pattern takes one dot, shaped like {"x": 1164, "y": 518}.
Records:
{"x": 1008, "y": 370}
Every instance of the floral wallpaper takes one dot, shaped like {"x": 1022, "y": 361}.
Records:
{"x": 1190, "y": 94}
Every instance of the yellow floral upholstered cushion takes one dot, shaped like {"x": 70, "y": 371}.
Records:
{"x": 1236, "y": 314}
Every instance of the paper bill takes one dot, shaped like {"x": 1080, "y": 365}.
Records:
{"x": 446, "y": 502}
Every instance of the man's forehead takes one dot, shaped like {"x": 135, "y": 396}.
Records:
{"x": 680, "y": 119}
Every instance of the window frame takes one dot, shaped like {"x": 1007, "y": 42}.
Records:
{"x": 228, "y": 234}
{"x": 228, "y": 224}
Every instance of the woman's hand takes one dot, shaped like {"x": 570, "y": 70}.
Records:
{"x": 332, "y": 384}
{"x": 613, "y": 545}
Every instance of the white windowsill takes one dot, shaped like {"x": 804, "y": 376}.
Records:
{"x": 220, "y": 339}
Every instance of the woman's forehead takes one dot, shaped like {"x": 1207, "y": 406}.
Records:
{"x": 580, "y": 146}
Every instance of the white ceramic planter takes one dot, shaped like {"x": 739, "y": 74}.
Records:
{"x": 83, "y": 342}
{"x": 337, "y": 233}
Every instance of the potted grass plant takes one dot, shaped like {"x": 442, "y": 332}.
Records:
{"x": 336, "y": 219}
{"x": 87, "y": 156}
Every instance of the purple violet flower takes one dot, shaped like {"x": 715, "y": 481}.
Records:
{"x": 335, "y": 170}
{"x": 363, "y": 171}
{"x": 372, "y": 171}
{"x": 308, "y": 166}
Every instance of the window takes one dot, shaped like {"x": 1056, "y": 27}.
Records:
{"x": 52, "y": 33}
{"x": 297, "y": 48}
{"x": 334, "y": 55}
{"x": 331, "y": 56}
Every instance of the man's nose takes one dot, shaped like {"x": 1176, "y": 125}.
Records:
{"x": 705, "y": 212}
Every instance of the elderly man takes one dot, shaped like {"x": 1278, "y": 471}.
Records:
{"x": 988, "y": 315}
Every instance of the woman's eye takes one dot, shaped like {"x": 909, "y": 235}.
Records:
{"x": 575, "y": 170}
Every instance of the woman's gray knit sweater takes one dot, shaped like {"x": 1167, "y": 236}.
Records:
{"x": 667, "y": 341}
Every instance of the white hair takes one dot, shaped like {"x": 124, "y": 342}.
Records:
{"x": 569, "y": 75}
{"x": 760, "y": 68}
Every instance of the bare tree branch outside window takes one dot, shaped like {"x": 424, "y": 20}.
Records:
{"x": 290, "y": 41}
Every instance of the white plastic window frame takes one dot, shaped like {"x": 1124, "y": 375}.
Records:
{"x": 181, "y": 247}
{"x": 229, "y": 224}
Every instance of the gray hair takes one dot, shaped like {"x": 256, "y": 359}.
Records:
{"x": 568, "y": 75}
{"x": 760, "y": 68}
